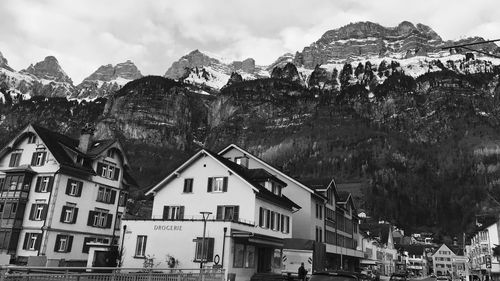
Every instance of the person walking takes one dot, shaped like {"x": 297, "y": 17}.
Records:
{"x": 302, "y": 272}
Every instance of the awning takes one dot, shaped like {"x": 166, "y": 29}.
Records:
{"x": 366, "y": 261}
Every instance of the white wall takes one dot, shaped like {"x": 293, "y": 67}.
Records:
{"x": 304, "y": 220}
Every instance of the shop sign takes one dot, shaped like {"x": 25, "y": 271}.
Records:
{"x": 168, "y": 227}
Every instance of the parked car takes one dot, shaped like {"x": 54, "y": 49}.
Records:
{"x": 363, "y": 277}
{"x": 334, "y": 276}
{"x": 399, "y": 277}
{"x": 443, "y": 278}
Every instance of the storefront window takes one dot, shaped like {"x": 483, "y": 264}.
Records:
{"x": 244, "y": 256}
{"x": 239, "y": 255}
{"x": 250, "y": 256}
{"x": 277, "y": 258}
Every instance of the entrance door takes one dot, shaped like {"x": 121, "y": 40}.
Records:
{"x": 264, "y": 260}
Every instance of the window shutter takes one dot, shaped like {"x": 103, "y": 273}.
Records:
{"x": 70, "y": 244}
{"x": 210, "y": 251}
{"x": 90, "y": 220}
{"x": 219, "y": 213}
{"x": 181, "y": 213}
{"x": 109, "y": 220}
{"x": 38, "y": 241}
{"x": 44, "y": 154}
{"x": 33, "y": 159}
{"x": 271, "y": 218}
{"x": 165, "y": 212}
{"x": 57, "y": 244}
{"x": 287, "y": 224}
{"x": 68, "y": 186}
{"x": 224, "y": 186}
{"x": 283, "y": 223}
{"x": 25, "y": 243}
{"x": 51, "y": 183}
{"x": 100, "y": 166}
{"x": 209, "y": 185}
{"x": 75, "y": 215}
{"x": 37, "y": 185}
{"x": 113, "y": 196}
{"x": 32, "y": 212}
{"x": 12, "y": 160}
{"x": 261, "y": 217}
{"x": 268, "y": 216}
{"x": 80, "y": 187}
{"x": 278, "y": 222}
{"x": 236, "y": 215}
{"x": 64, "y": 208}
{"x": 44, "y": 211}
{"x": 117, "y": 174}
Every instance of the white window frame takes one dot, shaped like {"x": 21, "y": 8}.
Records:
{"x": 38, "y": 212}
{"x": 39, "y": 157}
{"x": 218, "y": 184}
{"x": 73, "y": 191}
{"x": 32, "y": 241}
{"x": 44, "y": 184}
{"x": 174, "y": 212}
{"x": 63, "y": 244}
{"x": 140, "y": 247}
{"x": 69, "y": 213}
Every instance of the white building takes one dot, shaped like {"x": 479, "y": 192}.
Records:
{"x": 480, "y": 252}
{"x": 326, "y": 216}
{"x": 58, "y": 194}
{"x": 250, "y": 218}
{"x": 449, "y": 260}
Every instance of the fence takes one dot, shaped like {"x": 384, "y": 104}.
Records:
{"x": 108, "y": 274}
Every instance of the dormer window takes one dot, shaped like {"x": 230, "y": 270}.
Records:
{"x": 32, "y": 139}
{"x": 276, "y": 188}
{"x": 79, "y": 160}
{"x": 242, "y": 161}
{"x": 110, "y": 153}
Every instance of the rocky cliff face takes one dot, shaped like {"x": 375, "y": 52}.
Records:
{"x": 200, "y": 69}
{"x": 107, "y": 79}
{"x": 368, "y": 39}
{"x": 48, "y": 69}
{"x": 4, "y": 63}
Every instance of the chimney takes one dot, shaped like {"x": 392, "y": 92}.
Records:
{"x": 86, "y": 137}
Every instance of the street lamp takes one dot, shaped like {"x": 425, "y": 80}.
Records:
{"x": 205, "y": 216}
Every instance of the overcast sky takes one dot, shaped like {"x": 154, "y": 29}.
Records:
{"x": 84, "y": 34}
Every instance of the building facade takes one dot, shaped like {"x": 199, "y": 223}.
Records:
{"x": 213, "y": 212}
{"x": 326, "y": 216}
{"x": 482, "y": 262}
{"x": 442, "y": 260}
{"x": 58, "y": 194}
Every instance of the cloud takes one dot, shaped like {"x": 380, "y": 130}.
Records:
{"x": 84, "y": 34}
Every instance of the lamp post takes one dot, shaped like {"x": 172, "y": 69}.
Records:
{"x": 205, "y": 216}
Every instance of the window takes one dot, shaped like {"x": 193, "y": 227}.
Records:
{"x": 69, "y": 214}
{"x": 38, "y": 212}
{"x": 242, "y": 161}
{"x": 32, "y": 241}
{"x": 140, "y": 247}
{"x": 277, "y": 222}
{"x": 32, "y": 139}
{"x": 188, "y": 186}
{"x": 44, "y": 184}
{"x": 217, "y": 184}
{"x": 208, "y": 249}
{"x": 38, "y": 158}
{"x": 63, "y": 243}
{"x": 319, "y": 211}
{"x": 100, "y": 218}
{"x": 106, "y": 195}
{"x": 244, "y": 256}
{"x": 173, "y": 212}
{"x": 87, "y": 240}
{"x": 122, "y": 199}
{"x": 264, "y": 217}
{"x": 15, "y": 158}
{"x": 1, "y": 207}
{"x": 276, "y": 188}
{"x": 110, "y": 153}
{"x": 108, "y": 170}
{"x": 230, "y": 213}
{"x": 118, "y": 221}
{"x": 74, "y": 188}
{"x": 285, "y": 224}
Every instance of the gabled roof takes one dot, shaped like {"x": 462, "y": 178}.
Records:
{"x": 413, "y": 250}
{"x": 247, "y": 175}
{"x": 443, "y": 246}
{"x": 294, "y": 180}
{"x": 377, "y": 230}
